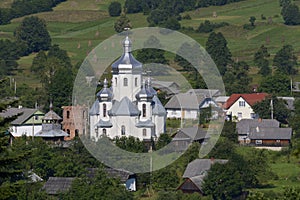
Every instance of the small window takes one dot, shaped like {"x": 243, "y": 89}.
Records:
{"x": 104, "y": 132}
{"x": 104, "y": 110}
{"x": 136, "y": 82}
{"x": 36, "y": 117}
{"x": 76, "y": 132}
{"x": 240, "y": 115}
{"x": 258, "y": 141}
{"x": 116, "y": 81}
{"x": 125, "y": 82}
{"x": 68, "y": 114}
{"x": 277, "y": 141}
{"x": 122, "y": 130}
{"x": 144, "y": 132}
{"x": 144, "y": 110}
{"x": 242, "y": 103}
{"x": 83, "y": 114}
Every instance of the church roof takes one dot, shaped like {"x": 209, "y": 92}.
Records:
{"x": 144, "y": 93}
{"x": 124, "y": 108}
{"x": 95, "y": 108}
{"x": 51, "y": 115}
{"x": 102, "y": 123}
{"x": 127, "y": 58}
{"x": 158, "y": 108}
{"x": 105, "y": 93}
{"x": 147, "y": 123}
{"x": 51, "y": 133}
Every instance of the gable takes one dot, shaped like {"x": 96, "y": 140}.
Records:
{"x": 251, "y": 99}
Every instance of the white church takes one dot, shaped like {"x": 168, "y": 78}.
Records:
{"x": 130, "y": 107}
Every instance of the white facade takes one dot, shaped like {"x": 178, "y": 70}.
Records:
{"x": 240, "y": 109}
{"x": 184, "y": 114}
{"x": 129, "y": 107}
{"x": 26, "y": 129}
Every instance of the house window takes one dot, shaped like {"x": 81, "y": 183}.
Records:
{"x": 144, "y": 110}
{"x": 36, "y": 117}
{"x": 277, "y": 141}
{"x": 253, "y": 115}
{"x": 104, "y": 110}
{"x": 122, "y": 130}
{"x": 125, "y": 83}
{"x": 240, "y": 115}
{"x": 104, "y": 132}
{"x": 242, "y": 103}
{"x": 258, "y": 141}
{"x": 68, "y": 114}
{"x": 144, "y": 132}
{"x": 136, "y": 82}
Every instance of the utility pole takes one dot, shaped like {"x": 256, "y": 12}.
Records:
{"x": 271, "y": 105}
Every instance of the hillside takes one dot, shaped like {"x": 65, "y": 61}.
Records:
{"x": 78, "y": 26}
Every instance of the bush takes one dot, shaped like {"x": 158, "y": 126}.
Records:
{"x": 114, "y": 9}
{"x": 186, "y": 16}
{"x": 248, "y": 27}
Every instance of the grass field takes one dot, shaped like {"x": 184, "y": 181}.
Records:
{"x": 78, "y": 26}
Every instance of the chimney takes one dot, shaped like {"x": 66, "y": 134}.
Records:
{"x": 259, "y": 120}
{"x": 20, "y": 107}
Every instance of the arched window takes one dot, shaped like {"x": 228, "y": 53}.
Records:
{"x": 116, "y": 81}
{"x": 125, "y": 82}
{"x": 144, "y": 110}
{"x": 104, "y": 110}
{"x": 144, "y": 132}
{"x": 68, "y": 131}
{"x": 76, "y": 132}
{"x": 136, "y": 82}
{"x": 68, "y": 114}
{"x": 83, "y": 114}
{"x": 122, "y": 130}
{"x": 104, "y": 132}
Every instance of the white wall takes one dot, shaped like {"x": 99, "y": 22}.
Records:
{"x": 18, "y": 131}
{"x": 187, "y": 114}
{"x": 246, "y": 110}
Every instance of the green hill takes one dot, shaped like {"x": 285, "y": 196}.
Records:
{"x": 78, "y": 26}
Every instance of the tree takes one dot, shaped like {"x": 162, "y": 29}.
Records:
{"x": 172, "y": 23}
{"x": 291, "y": 14}
{"x": 162, "y": 141}
{"x": 216, "y": 46}
{"x": 223, "y": 182}
{"x": 260, "y": 59}
{"x": 236, "y": 78}
{"x": 285, "y": 60}
{"x": 114, "y": 9}
{"x": 122, "y": 23}
{"x": 277, "y": 84}
{"x": 131, "y": 144}
{"x": 252, "y": 20}
{"x": 280, "y": 110}
{"x": 153, "y": 54}
{"x": 33, "y": 32}
{"x": 205, "y": 27}
{"x": 133, "y": 6}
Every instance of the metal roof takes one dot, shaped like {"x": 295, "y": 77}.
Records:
{"x": 55, "y": 185}
{"x": 127, "y": 59}
{"x": 185, "y": 101}
{"x": 193, "y": 133}
{"x": 244, "y": 125}
{"x": 200, "y": 167}
{"x": 124, "y": 108}
{"x": 147, "y": 123}
{"x": 95, "y": 108}
{"x": 23, "y": 114}
{"x": 158, "y": 108}
{"x": 273, "y": 133}
{"x": 102, "y": 123}
{"x": 51, "y": 115}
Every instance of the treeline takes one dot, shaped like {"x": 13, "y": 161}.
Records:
{"x": 21, "y": 8}
{"x": 177, "y": 6}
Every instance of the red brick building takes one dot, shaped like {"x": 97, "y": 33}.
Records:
{"x": 74, "y": 120}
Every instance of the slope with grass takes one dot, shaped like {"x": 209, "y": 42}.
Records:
{"x": 78, "y": 26}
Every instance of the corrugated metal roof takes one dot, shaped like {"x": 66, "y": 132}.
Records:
{"x": 270, "y": 133}
{"x": 54, "y": 185}
{"x": 24, "y": 114}
{"x": 243, "y": 126}
{"x": 185, "y": 101}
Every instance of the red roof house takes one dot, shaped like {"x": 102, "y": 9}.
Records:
{"x": 239, "y": 106}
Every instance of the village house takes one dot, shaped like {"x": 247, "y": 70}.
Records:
{"x": 263, "y": 132}
{"x": 188, "y": 105}
{"x": 28, "y": 121}
{"x": 194, "y": 174}
{"x": 239, "y": 106}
